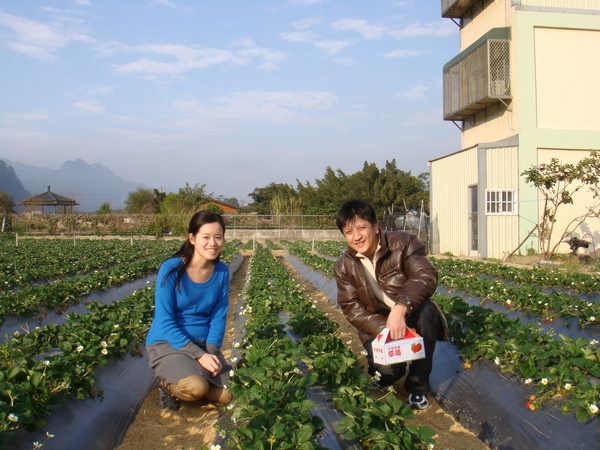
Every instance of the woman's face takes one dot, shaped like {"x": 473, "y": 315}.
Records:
{"x": 208, "y": 241}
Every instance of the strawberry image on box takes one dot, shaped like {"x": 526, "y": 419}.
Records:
{"x": 386, "y": 351}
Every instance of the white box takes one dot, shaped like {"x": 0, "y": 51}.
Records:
{"x": 386, "y": 351}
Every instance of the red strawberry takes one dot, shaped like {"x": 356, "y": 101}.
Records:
{"x": 416, "y": 347}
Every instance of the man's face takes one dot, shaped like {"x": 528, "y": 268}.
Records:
{"x": 362, "y": 236}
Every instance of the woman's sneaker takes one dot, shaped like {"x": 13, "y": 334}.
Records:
{"x": 417, "y": 401}
{"x": 166, "y": 400}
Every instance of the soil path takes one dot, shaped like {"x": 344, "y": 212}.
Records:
{"x": 191, "y": 427}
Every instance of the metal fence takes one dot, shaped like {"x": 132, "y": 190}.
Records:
{"x": 160, "y": 225}
{"x": 151, "y": 224}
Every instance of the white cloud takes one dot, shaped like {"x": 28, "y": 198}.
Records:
{"x": 163, "y": 3}
{"x": 83, "y": 2}
{"x": 92, "y": 107}
{"x": 182, "y": 59}
{"x": 440, "y": 28}
{"x": 360, "y": 26}
{"x": 306, "y": 23}
{"x": 415, "y": 93}
{"x": 102, "y": 90}
{"x": 402, "y": 53}
{"x": 34, "y": 39}
{"x": 346, "y": 62}
{"x": 307, "y": 2}
{"x": 172, "y": 59}
{"x": 299, "y": 36}
{"x": 22, "y": 118}
{"x": 258, "y": 106}
{"x": 271, "y": 58}
{"x": 332, "y": 46}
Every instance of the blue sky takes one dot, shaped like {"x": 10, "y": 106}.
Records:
{"x": 231, "y": 94}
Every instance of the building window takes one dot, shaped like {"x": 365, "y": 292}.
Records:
{"x": 501, "y": 201}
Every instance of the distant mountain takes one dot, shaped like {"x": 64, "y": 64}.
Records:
{"x": 10, "y": 183}
{"x": 90, "y": 185}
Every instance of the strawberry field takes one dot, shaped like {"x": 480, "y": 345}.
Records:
{"x": 530, "y": 335}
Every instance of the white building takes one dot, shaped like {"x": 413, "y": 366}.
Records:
{"x": 524, "y": 88}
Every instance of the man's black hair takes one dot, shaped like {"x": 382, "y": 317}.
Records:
{"x": 352, "y": 209}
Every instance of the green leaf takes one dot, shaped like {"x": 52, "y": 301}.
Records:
{"x": 582, "y": 415}
{"x": 345, "y": 424}
{"x": 36, "y": 378}
{"x": 66, "y": 346}
{"x": 13, "y": 372}
{"x": 304, "y": 434}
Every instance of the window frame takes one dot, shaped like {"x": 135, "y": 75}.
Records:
{"x": 497, "y": 202}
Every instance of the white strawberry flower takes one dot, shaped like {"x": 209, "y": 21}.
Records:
{"x": 544, "y": 381}
{"x": 79, "y": 348}
{"x": 594, "y": 409}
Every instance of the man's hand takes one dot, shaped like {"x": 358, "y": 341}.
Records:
{"x": 211, "y": 363}
{"x": 396, "y": 322}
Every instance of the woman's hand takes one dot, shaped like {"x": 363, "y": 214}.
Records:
{"x": 211, "y": 363}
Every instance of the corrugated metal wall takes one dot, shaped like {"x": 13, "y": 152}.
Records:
{"x": 450, "y": 178}
{"x": 502, "y": 173}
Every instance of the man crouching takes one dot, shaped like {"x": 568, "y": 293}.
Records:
{"x": 385, "y": 280}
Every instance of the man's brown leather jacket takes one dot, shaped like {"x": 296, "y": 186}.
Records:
{"x": 404, "y": 273}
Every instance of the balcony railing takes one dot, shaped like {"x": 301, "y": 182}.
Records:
{"x": 478, "y": 77}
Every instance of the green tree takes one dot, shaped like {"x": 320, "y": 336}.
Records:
{"x": 186, "y": 202}
{"x": 141, "y": 201}
{"x": 557, "y": 184}
{"x": 7, "y": 206}
{"x": 262, "y": 197}
{"x": 327, "y": 195}
{"x": 229, "y": 200}
{"x": 105, "y": 208}
{"x": 400, "y": 190}
{"x": 159, "y": 196}
{"x": 380, "y": 187}
{"x": 214, "y": 208}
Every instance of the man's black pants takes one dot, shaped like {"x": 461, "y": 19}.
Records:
{"x": 426, "y": 321}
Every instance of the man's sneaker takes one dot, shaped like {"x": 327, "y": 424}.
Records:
{"x": 417, "y": 401}
{"x": 166, "y": 400}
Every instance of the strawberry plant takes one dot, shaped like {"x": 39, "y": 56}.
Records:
{"x": 39, "y": 368}
{"x": 274, "y": 373}
{"x": 526, "y": 297}
{"x": 35, "y": 260}
{"x": 561, "y": 368}
{"x": 578, "y": 282}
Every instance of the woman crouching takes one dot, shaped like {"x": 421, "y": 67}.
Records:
{"x": 192, "y": 298}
